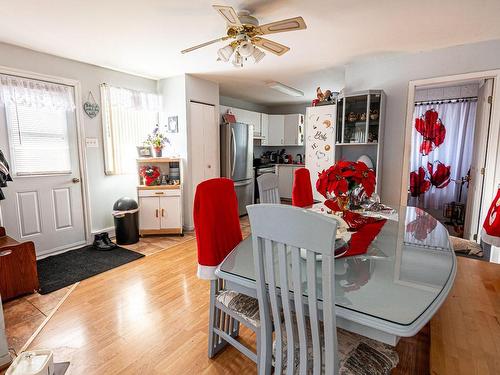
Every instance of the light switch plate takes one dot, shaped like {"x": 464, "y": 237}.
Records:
{"x": 91, "y": 142}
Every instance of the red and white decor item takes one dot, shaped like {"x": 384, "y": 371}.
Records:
{"x": 491, "y": 227}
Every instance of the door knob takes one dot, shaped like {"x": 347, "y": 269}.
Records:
{"x": 76, "y": 180}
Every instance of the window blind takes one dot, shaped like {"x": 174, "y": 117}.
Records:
{"x": 38, "y": 139}
{"x": 128, "y": 116}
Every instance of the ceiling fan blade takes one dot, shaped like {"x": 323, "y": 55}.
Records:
{"x": 269, "y": 45}
{"x": 290, "y": 24}
{"x": 229, "y": 14}
{"x": 204, "y": 44}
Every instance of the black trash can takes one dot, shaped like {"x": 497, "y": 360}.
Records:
{"x": 126, "y": 216}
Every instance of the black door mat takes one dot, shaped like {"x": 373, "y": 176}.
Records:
{"x": 59, "y": 271}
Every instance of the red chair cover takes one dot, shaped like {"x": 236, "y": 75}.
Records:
{"x": 216, "y": 224}
{"x": 302, "y": 195}
{"x": 491, "y": 226}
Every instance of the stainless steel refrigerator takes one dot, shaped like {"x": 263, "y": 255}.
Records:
{"x": 237, "y": 160}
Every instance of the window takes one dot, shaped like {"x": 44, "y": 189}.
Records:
{"x": 37, "y": 116}
{"x": 128, "y": 116}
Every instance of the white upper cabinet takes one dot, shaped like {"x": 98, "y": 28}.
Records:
{"x": 272, "y": 130}
{"x": 294, "y": 129}
{"x": 276, "y": 130}
{"x": 264, "y": 128}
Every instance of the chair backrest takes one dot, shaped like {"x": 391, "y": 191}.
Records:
{"x": 216, "y": 224}
{"x": 268, "y": 188}
{"x": 282, "y": 237}
{"x": 302, "y": 195}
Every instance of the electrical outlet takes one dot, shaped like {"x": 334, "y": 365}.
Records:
{"x": 91, "y": 142}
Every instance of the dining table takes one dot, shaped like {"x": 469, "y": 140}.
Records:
{"x": 390, "y": 291}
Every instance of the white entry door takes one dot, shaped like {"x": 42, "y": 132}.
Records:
{"x": 44, "y": 202}
{"x": 475, "y": 192}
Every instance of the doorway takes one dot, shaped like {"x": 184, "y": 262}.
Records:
{"x": 449, "y": 144}
{"x": 39, "y": 137}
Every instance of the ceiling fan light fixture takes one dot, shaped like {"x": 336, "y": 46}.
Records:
{"x": 225, "y": 53}
{"x": 258, "y": 55}
{"x": 246, "y": 49}
{"x": 285, "y": 89}
{"x": 238, "y": 60}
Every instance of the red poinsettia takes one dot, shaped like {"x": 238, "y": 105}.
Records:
{"x": 345, "y": 176}
{"x": 440, "y": 177}
{"x": 421, "y": 226}
{"x": 150, "y": 174}
{"x": 432, "y": 129}
{"x": 365, "y": 176}
{"x": 418, "y": 183}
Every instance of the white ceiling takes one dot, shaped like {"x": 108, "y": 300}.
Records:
{"x": 145, "y": 37}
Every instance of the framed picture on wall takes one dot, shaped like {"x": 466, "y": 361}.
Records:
{"x": 173, "y": 124}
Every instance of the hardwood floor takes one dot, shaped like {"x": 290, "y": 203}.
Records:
{"x": 25, "y": 314}
{"x": 150, "y": 316}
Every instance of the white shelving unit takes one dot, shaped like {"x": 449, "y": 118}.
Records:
{"x": 160, "y": 206}
{"x": 365, "y": 134}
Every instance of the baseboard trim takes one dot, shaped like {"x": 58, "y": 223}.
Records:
{"x": 110, "y": 230}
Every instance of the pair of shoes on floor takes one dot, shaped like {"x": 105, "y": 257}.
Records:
{"x": 102, "y": 242}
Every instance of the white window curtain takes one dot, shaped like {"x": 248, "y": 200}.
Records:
{"x": 128, "y": 117}
{"x": 455, "y": 151}
{"x": 37, "y": 114}
{"x": 34, "y": 93}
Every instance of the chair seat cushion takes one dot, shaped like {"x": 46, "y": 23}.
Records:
{"x": 245, "y": 307}
{"x": 358, "y": 355}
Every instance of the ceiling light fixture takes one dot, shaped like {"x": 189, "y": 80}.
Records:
{"x": 246, "y": 49}
{"x": 285, "y": 89}
{"x": 225, "y": 53}
{"x": 258, "y": 55}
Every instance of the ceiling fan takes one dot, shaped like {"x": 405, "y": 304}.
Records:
{"x": 245, "y": 34}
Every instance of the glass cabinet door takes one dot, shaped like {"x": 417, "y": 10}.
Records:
{"x": 373, "y": 118}
{"x": 355, "y": 121}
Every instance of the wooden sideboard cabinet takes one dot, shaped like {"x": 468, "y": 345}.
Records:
{"x": 18, "y": 272}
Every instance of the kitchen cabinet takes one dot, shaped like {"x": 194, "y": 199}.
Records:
{"x": 286, "y": 174}
{"x": 264, "y": 129}
{"x": 294, "y": 129}
{"x": 246, "y": 117}
{"x": 160, "y": 211}
{"x": 276, "y": 130}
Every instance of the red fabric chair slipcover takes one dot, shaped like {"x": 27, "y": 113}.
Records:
{"x": 491, "y": 226}
{"x": 302, "y": 195}
{"x": 216, "y": 224}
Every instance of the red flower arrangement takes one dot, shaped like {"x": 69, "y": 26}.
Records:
{"x": 343, "y": 177}
{"x": 150, "y": 174}
{"x": 432, "y": 129}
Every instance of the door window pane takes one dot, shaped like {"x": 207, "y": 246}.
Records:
{"x": 38, "y": 139}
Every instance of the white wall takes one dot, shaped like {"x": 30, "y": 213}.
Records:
{"x": 392, "y": 75}
{"x": 177, "y": 92}
{"x": 104, "y": 190}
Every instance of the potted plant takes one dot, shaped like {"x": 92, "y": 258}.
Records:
{"x": 157, "y": 140}
{"x": 344, "y": 182}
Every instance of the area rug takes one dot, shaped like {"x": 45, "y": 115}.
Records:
{"x": 467, "y": 248}
{"x": 59, "y": 271}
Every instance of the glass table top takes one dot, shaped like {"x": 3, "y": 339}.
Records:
{"x": 406, "y": 267}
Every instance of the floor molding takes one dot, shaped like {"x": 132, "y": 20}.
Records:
{"x": 47, "y": 319}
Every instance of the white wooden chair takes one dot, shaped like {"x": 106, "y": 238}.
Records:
{"x": 290, "y": 245}
{"x": 268, "y": 188}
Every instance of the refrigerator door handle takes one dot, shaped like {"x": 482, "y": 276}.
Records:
{"x": 242, "y": 183}
{"x": 233, "y": 138}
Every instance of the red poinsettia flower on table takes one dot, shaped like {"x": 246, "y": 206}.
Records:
{"x": 440, "y": 177}
{"x": 365, "y": 176}
{"x": 432, "y": 129}
{"x": 418, "y": 183}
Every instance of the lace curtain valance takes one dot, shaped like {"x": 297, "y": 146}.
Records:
{"x": 34, "y": 93}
